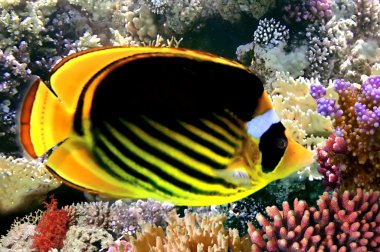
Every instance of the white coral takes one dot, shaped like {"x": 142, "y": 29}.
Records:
{"x": 298, "y": 112}
{"x": 23, "y": 182}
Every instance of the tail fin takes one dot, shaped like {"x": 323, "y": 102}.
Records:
{"x": 44, "y": 121}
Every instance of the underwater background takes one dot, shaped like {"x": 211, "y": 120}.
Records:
{"x": 320, "y": 63}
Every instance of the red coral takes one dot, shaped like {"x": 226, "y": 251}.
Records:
{"x": 343, "y": 222}
{"x": 51, "y": 229}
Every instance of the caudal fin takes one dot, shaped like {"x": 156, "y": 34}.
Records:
{"x": 44, "y": 121}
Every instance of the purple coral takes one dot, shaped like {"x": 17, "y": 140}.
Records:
{"x": 309, "y": 10}
{"x": 317, "y": 91}
{"x": 343, "y": 222}
{"x": 326, "y": 106}
{"x": 357, "y": 121}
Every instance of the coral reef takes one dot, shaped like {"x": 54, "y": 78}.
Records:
{"x": 298, "y": 44}
{"x": 334, "y": 38}
{"x": 190, "y": 233}
{"x": 181, "y": 16}
{"x": 268, "y": 53}
{"x": 348, "y": 44}
{"x": 20, "y": 233}
{"x": 87, "y": 238}
{"x": 23, "y": 184}
{"x": 342, "y": 222}
{"x": 356, "y": 121}
{"x": 345, "y": 220}
{"x": 129, "y": 217}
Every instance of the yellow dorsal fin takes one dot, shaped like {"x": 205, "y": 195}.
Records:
{"x": 44, "y": 121}
{"x": 73, "y": 164}
{"x": 70, "y": 76}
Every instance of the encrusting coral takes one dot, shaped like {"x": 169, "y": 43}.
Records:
{"x": 356, "y": 116}
{"x": 342, "y": 222}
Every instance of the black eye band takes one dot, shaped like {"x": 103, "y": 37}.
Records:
{"x": 272, "y": 145}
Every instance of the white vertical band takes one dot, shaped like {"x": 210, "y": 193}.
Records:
{"x": 260, "y": 124}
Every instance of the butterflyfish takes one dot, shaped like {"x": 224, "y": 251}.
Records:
{"x": 175, "y": 125}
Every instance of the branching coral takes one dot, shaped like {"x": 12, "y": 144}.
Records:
{"x": 23, "y": 184}
{"x": 269, "y": 51}
{"x": 20, "y": 233}
{"x": 347, "y": 44}
{"x": 128, "y": 217}
{"x": 190, "y": 233}
{"x": 181, "y": 16}
{"x": 342, "y": 222}
{"x": 51, "y": 229}
{"x": 331, "y": 161}
{"x": 356, "y": 120}
{"x": 308, "y": 11}
{"x": 87, "y": 238}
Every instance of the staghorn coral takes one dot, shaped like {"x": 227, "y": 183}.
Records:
{"x": 342, "y": 222}
{"x": 356, "y": 119}
{"x": 190, "y": 233}
{"x": 23, "y": 184}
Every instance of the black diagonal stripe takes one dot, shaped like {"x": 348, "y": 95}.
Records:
{"x": 165, "y": 158}
{"x": 178, "y": 127}
{"x": 230, "y": 118}
{"x": 200, "y": 125}
{"x": 99, "y": 144}
{"x": 145, "y": 126}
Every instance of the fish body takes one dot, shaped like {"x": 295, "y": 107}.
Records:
{"x": 170, "y": 124}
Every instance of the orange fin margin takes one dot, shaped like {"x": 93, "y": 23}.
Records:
{"x": 44, "y": 121}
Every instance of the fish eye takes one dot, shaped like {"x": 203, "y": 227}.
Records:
{"x": 281, "y": 143}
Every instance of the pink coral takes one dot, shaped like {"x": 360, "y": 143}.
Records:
{"x": 310, "y": 10}
{"x": 331, "y": 160}
{"x": 343, "y": 222}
